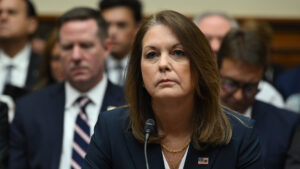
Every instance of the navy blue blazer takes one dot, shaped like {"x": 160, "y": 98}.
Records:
{"x": 113, "y": 146}
{"x": 4, "y": 135}
{"x": 33, "y": 75}
{"x": 37, "y": 130}
{"x": 289, "y": 82}
{"x": 275, "y": 128}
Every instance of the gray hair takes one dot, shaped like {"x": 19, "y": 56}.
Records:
{"x": 232, "y": 21}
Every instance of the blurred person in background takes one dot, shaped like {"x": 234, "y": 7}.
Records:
{"x": 215, "y": 25}
{"x": 242, "y": 60}
{"x": 123, "y": 18}
{"x": 265, "y": 31}
{"x": 39, "y": 39}
{"x": 52, "y": 126}
{"x": 19, "y": 65}
{"x": 51, "y": 67}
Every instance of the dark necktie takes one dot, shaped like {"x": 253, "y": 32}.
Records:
{"x": 81, "y": 134}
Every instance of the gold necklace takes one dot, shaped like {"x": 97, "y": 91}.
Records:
{"x": 176, "y": 150}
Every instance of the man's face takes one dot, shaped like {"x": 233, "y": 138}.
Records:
{"x": 214, "y": 28}
{"x": 82, "y": 53}
{"x": 239, "y": 83}
{"x": 122, "y": 30}
{"x": 14, "y": 22}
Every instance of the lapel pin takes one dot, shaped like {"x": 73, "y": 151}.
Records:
{"x": 110, "y": 108}
{"x": 203, "y": 160}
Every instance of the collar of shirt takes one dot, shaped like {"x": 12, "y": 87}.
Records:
{"x": 20, "y": 60}
{"x": 112, "y": 63}
{"x": 248, "y": 112}
{"x": 96, "y": 94}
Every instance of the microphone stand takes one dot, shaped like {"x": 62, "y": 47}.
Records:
{"x": 149, "y": 128}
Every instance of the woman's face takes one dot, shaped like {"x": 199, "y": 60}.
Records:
{"x": 165, "y": 67}
{"x": 55, "y": 64}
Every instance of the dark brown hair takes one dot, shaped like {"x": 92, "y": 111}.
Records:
{"x": 45, "y": 69}
{"x": 84, "y": 13}
{"x": 211, "y": 126}
{"x": 134, "y": 5}
{"x": 244, "y": 46}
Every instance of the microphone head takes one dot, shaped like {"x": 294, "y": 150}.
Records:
{"x": 149, "y": 126}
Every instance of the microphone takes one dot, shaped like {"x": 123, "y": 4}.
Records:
{"x": 149, "y": 128}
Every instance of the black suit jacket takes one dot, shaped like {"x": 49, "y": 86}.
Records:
{"x": 288, "y": 83}
{"x": 113, "y": 146}
{"x": 293, "y": 156}
{"x": 4, "y": 136}
{"x": 275, "y": 128}
{"x": 37, "y": 130}
{"x": 33, "y": 77}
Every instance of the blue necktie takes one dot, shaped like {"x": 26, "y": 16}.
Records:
{"x": 81, "y": 134}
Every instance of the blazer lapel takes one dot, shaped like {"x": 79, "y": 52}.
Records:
{"x": 136, "y": 150}
{"x": 33, "y": 73}
{"x": 113, "y": 97}
{"x": 200, "y": 159}
{"x": 56, "y": 131}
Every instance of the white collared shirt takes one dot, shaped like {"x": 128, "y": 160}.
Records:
{"x": 96, "y": 95}
{"x": 182, "y": 162}
{"x": 20, "y": 62}
{"x": 113, "y": 72}
{"x": 269, "y": 94}
{"x": 248, "y": 112}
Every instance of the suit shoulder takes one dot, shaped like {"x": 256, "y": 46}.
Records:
{"x": 115, "y": 119}
{"x": 237, "y": 119}
{"x": 272, "y": 112}
{"x": 116, "y": 113}
{"x": 41, "y": 95}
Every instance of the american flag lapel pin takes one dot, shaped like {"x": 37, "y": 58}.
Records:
{"x": 203, "y": 160}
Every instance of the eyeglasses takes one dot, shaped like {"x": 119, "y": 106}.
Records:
{"x": 231, "y": 86}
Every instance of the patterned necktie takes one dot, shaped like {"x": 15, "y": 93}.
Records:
{"x": 8, "y": 77}
{"x": 81, "y": 135}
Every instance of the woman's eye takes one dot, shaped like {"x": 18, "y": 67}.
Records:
{"x": 178, "y": 53}
{"x": 150, "y": 55}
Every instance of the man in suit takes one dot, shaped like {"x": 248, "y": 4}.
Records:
{"x": 19, "y": 66}
{"x": 3, "y": 135}
{"x": 242, "y": 61}
{"x": 215, "y": 25}
{"x": 123, "y": 18}
{"x": 48, "y": 132}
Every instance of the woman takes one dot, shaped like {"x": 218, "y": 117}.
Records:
{"x": 51, "y": 68}
{"x": 173, "y": 78}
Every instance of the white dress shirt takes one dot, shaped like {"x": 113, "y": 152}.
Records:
{"x": 113, "y": 71}
{"x": 268, "y": 94}
{"x": 182, "y": 162}
{"x": 96, "y": 95}
{"x": 20, "y": 62}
